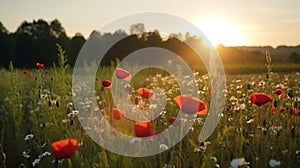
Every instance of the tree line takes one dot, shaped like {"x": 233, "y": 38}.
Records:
{"x": 36, "y": 42}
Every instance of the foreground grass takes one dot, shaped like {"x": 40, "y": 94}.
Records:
{"x": 35, "y": 111}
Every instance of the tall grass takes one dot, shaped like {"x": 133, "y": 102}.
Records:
{"x": 36, "y": 111}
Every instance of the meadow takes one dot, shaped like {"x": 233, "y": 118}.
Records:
{"x": 36, "y": 109}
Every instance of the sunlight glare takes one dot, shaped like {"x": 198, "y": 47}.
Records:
{"x": 219, "y": 30}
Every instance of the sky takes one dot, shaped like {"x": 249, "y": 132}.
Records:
{"x": 231, "y": 22}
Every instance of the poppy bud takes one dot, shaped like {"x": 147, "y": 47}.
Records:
{"x": 248, "y": 86}
{"x": 57, "y": 104}
{"x": 293, "y": 132}
{"x": 296, "y": 104}
{"x": 291, "y": 94}
{"x": 267, "y": 76}
{"x": 275, "y": 103}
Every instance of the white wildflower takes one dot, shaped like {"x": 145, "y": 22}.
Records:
{"x": 274, "y": 163}
{"x": 134, "y": 140}
{"x": 163, "y": 147}
{"x": 44, "y": 154}
{"x": 197, "y": 150}
{"x": 26, "y": 154}
{"x": 235, "y": 163}
{"x": 213, "y": 158}
{"x": 29, "y": 136}
{"x": 36, "y": 162}
{"x": 243, "y": 106}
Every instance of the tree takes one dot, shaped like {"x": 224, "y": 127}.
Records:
{"x": 75, "y": 46}
{"x": 56, "y": 29}
{"x": 6, "y": 46}
{"x": 137, "y": 29}
{"x": 294, "y": 57}
{"x": 3, "y": 30}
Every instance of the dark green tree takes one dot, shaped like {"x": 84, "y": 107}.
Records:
{"x": 6, "y": 46}
{"x": 294, "y": 57}
{"x": 75, "y": 45}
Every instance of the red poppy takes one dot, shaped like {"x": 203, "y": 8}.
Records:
{"x": 106, "y": 83}
{"x": 273, "y": 110}
{"x": 278, "y": 91}
{"x": 191, "y": 105}
{"x": 146, "y": 93}
{"x": 261, "y": 139}
{"x": 123, "y": 74}
{"x": 136, "y": 101}
{"x": 284, "y": 96}
{"x": 294, "y": 111}
{"x": 174, "y": 121}
{"x": 39, "y": 65}
{"x": 228, "y": 107}
{"x": 30, "y": 75}
{"x": 143, "y": 129}
{"x": 65, "y": 148}
{"x": 25, "y": 71}
{"x": 260, "y": 99}
{"x": 117, "y": 113}
{"x": 282, "y": 109}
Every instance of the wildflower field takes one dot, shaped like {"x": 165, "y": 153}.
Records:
{"x": 259, "y": 126}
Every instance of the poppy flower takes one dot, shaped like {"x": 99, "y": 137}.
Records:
{"x": 39, "y": 65}
{"x": 117, "y": 113}
{"x": 260, "y": 99}
{"x": 284, "y": 96}
{"x": 123, "y": 74}
{"x": 106, "y": 83}
{"x": 294, "y": 111}
{"x": 146, "y": 93}
{"x": 174, "y": 121}
{"x": 273, "y": 110}
{"x": 210, "y": 92}
{"x": 143, "y": 129}
{"x": 136, "y": 101}
{"x": 191, "y": 105}
{"x": 29, "y": 75}
{"x": 282, "y": 109}
{"x": 25, "y": 71}
{"x": 65, "y": 148}
{"x": 278, "y": 91}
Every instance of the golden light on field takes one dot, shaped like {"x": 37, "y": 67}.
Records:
{"x": 219, "y": 30}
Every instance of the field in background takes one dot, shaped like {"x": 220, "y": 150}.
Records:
{"x": 35, "y": 109}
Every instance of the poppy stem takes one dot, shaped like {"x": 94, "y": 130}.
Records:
{"x": 69, "y": 163}
{"x": 56, "y": 163}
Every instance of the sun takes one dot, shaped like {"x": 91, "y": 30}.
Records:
{"x": 221, "y": 31}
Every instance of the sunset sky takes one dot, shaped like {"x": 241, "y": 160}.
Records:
{"x": 236, "y": 22}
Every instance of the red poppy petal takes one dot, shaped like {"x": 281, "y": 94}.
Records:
{"x": 106, "y": 83}
{"x": 191, "y": 105}
{"x": 64, "y": 148}
{"x": 143, "y": 129}
{"x": 146, "y": 93}
{"x": 273, "y": 110}
{"x": 123, "y": 74}
{"x": 278, "y": 91}
{"x": 117, "y": 113}
{"x": 39, "y": 65}
{"x": 260, "y": 99}
{"x": 174, "y": 121}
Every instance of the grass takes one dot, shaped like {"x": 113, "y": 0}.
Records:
{"x": 34, "y": 113}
